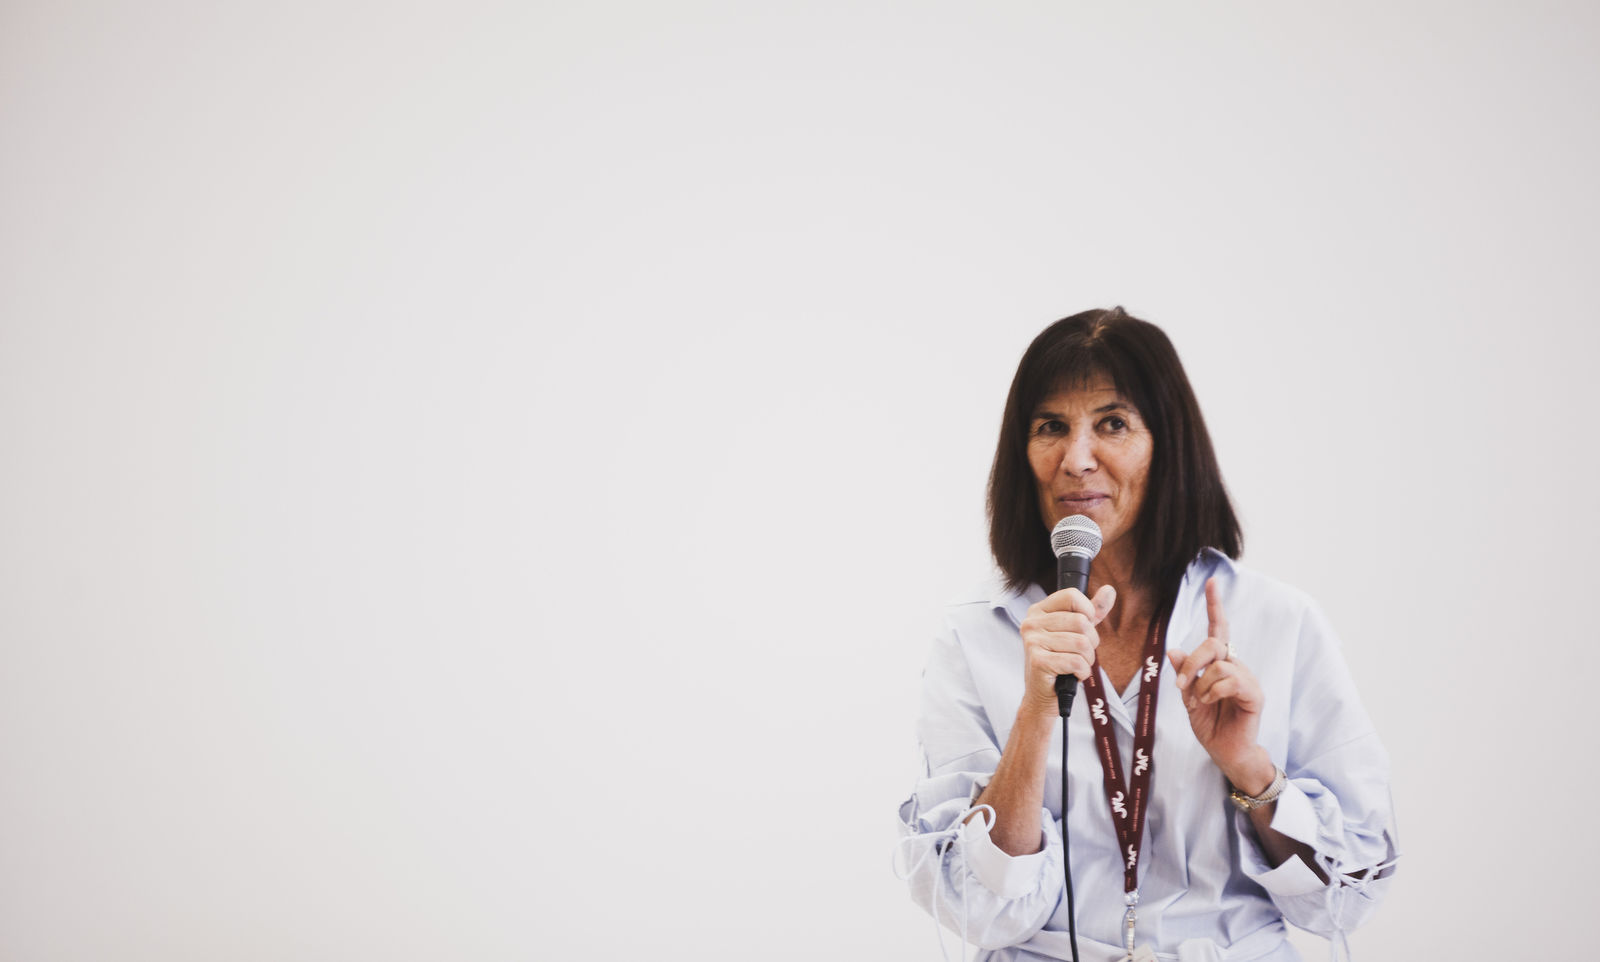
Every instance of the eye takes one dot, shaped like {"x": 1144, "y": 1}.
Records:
{"x": 1114, "y": 423}
{"x": 1050, "y": 427}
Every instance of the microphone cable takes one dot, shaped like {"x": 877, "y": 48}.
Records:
{"x": 1066, "y": 849}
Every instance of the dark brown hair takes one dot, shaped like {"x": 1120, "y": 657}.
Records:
{"x": 1186, "y": 508}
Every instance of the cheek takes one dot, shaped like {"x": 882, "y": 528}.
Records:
{"x": 1135, "y": 471}
{"x": 1042, "y": 475}
{"x": 1142, "y": 475}
{"x": 1040, "y": 462}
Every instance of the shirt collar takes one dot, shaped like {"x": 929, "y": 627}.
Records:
{"x": 1209, "y": 562}
{"x": 1014, "y": 603}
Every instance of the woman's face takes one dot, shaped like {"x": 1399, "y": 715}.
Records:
{"x": 1090, "y": 452}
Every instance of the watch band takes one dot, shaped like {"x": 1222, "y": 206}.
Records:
{"x": 1247, "y": 803}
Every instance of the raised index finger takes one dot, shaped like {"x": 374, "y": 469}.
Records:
{"x": 1218, "y": 621}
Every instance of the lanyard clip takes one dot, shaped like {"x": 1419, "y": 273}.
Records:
{"x": 1129, "y": 918}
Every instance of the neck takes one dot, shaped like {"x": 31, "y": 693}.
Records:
{"x": 1114, "y": 567}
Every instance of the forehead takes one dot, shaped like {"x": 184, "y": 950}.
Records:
{"x": 1091, "y": 392}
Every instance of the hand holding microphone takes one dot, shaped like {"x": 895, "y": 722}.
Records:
{"x": 1058, "y": 635}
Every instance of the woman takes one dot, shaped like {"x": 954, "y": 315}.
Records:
{"x": 1214, "y": 794}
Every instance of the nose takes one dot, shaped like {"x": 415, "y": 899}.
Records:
{"x": 1079, "y": 456}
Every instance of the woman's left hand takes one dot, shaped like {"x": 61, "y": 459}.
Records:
{"x": 1224, "y": 703}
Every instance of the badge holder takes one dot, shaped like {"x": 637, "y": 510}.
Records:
{"x": 1129, "y": 918}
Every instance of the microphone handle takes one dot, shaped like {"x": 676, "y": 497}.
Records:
{"x": 1072, "y": 571}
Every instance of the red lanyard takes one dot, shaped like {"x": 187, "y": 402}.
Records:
{"x": 1127, "y": 813}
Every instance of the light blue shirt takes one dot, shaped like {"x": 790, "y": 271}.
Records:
{"x": 1206, "y": 890}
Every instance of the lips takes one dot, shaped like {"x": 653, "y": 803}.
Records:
{"x": 1086, "y": 500}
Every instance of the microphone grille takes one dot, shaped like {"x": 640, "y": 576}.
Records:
{"x": 1077, "y": 534}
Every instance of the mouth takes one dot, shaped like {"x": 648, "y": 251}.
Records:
{"x": 1082, "y": 502}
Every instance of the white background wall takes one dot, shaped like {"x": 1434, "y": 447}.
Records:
{"x": 478, "y": 481}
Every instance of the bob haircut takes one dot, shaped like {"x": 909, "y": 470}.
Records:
{"x": 1186, "y": 508}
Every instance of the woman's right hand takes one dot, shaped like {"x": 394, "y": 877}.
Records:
{"x": 1059, "y": 638}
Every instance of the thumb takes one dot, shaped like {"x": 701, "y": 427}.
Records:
{"x": 1177, "y": 658}
{"x": 1104, "y": 599}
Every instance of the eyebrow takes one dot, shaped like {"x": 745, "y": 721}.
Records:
{"x": 1104, "y": 408}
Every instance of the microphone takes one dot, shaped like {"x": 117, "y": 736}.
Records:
{"x": 1075, "y": 540}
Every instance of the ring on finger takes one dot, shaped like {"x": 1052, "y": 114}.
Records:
{"x": 1233, "y": 653}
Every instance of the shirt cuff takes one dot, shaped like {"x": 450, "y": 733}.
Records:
{"x": 1296, "y": 818}
{"x": 1008, "y": 876}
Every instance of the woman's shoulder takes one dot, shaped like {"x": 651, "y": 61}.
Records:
{"x": 1245, "y": 591}
{"x": 988, "y": 608}
{"x": 1242, "y": 584}
{"x": 991, "y": 593}
{"x": 1251, "y": 597}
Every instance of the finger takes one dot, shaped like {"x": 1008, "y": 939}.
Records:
{"x": 1239, "y": 686}
{"x": 1064, "y": 621}
{"x": 1236, "y": 689}
{"x": 1068, "y": 599}
{"x": 1205, "y": 654}
{"x": 1214, "y": 615}
{"x": 1226, "y": 688}
{"x": 1104, "y": 599}
{"x": 1215, "y": 674}
{"x": 1060, "y": 631}
{"x": 1055, "y": 601}
{"x": 1067, "y": 642}
{"x": 1065, "y": 664}
{"x": 1177, "y": 658}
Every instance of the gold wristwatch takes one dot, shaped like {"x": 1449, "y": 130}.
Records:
{"x": 1247, "y": 803}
